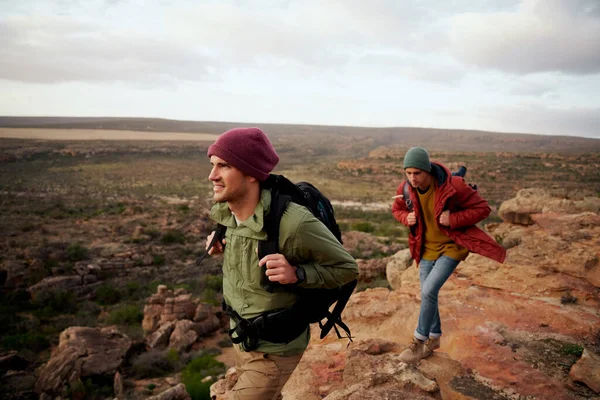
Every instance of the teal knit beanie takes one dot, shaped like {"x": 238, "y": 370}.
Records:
{"x": 417, "y": 157}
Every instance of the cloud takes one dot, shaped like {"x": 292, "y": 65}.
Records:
{"x": 539, "y": 36}
{"x": 77, "y": 41}
{"x": 58, "y": 49}
{"x": 541, "y": 119}
{"x": 531, "y": 88}
{"x": 423, "y": 67}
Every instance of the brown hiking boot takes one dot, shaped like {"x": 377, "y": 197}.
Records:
{"x": 430, "y": 345}
{"x": 413, "y": 353}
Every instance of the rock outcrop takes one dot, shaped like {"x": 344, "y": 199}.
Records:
{"x": 175, "y": 320}
{"x": 177, "y": 392}
{"x": 587, "y": 370}
{"x": 373, "y": 369}
{"x": 520, "y": 209}
{"x": 396, "y": 266}
{"x": 83, "y": 352}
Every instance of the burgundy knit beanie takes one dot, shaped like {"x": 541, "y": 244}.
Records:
{"x": 247, "y": 149}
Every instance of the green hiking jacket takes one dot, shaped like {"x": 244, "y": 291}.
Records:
{"x": 304, "y": 241}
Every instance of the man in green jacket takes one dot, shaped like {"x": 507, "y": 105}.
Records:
{"x": 310, "y": 257}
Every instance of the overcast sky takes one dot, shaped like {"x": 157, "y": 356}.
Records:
{"x": 530, "y": 66}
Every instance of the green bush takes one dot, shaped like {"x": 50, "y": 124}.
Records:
{"x": 155, "y": 363}
{"x": 173, "y": 237}
{"x": 87, "y": 314}
{"x": 395, "y": 230}
{"x": 173, "y": 356}
{"x": 198, "y": 390}
{"x": 77, "y": 252}
{"x": 135, "y": 291}
{"x": 107, "y": 294}
{"x": 210, "y": 296}
{"x": 366, "y": 227}
{"x": 158, "y": 259}
{"x": 129, "y": 314}
{"x": 198, "y": 369}
{"x": 572, "y": 349}
{"x": 89, "y": 389}
{"x": 35, "y": 342}
{"x": 344, "y": 226}
{"x": 8, "y": 319}
{"x": 19, "y": 298}
{"x": 50, "y": 304}
{"x": 153, "y": 286}
{"x": 152, "y": 232}
{"x": 214, "y": 282}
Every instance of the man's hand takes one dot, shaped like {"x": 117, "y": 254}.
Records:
{"x": 445, "y": 218}
{"x": 411, "y": 219}
{"x": 279, "y": 269}
{"x": 217, "y": 247}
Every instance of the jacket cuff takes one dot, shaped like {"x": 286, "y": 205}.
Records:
{"x": 452, "y": 220}
{"x": 311, "y": 275}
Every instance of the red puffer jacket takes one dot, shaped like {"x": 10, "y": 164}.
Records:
{"x": 466, "y": 209}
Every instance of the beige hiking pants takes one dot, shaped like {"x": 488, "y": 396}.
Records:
{"x": 261, "y": 376}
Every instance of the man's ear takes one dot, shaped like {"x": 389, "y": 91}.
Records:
{"x": 250, "y": 178}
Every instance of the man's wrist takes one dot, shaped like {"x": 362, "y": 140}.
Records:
{"x": 300, "y": 275}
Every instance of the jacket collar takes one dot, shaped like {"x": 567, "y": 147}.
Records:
{"x": 221, "y": 213}
{"x": 439, "y": 173}
{"x": 442, "y": 176}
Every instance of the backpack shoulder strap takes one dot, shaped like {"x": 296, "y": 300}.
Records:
{"x": 279, "y": 184}
{"x": 219, "y": 235}
{"x": 406, "y": 194}
{"x": 282, "y": 192}
{"x": 271, "y": 223}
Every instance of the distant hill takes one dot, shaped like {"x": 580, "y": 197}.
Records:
{"x": 402, "y": 137}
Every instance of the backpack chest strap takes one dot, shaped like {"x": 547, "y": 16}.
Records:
{"x": 272, "y": 221}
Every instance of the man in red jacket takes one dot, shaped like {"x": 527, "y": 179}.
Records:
{"x": 442, "y": 233}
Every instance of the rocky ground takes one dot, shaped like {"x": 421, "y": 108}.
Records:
{"x": 525, "y": 329}
{"x": 90, "y": 233}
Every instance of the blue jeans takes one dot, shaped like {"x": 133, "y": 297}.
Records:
{"x": 433, "y": 275}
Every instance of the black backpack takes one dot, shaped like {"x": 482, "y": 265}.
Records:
{"x": 313, "y": 304}
{"x": 462, "y": 171}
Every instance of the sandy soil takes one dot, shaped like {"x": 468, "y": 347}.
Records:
{"x": 100, "y": 134}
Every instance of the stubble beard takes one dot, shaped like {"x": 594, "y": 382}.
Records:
{"x": 230, "y": 196}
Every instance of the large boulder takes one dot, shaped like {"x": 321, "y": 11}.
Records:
{"x": 83, "y": 352}
{"x": 55, "y": 283}
{"x": 160, "y": 337}
{"x": 177, "y": 392}
{"x": 519, "y": 210}
{"x": 587, "y": 370}
{"x": 220, "y": 389}
{"x": 396, "y": 266}
{"x": 373, "y": 363}
{"x": 183, "y": 336}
